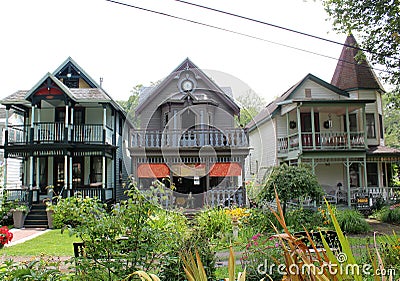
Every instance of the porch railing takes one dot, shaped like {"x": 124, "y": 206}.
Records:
{"x": 387, "y": 194}
{"x": 18, "y": 134}
{"x": 190, "y": 138}
{"x": 103, "y": 194}
{"x": 226, "y": 197}
{"x": 54, "y": 132}
{"x": 49, "y": 132}
{"x": 22, "y": 195}
{"x": 88, "y": 133}
{"x": 322, "y": 140}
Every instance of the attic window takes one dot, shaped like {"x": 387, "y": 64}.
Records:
{"x": 71, "y": 82}
{"x": 307, "y": 93}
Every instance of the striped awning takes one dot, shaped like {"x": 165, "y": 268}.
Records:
{"x": 225, "y": 170}
{"x": 153, "y": 171}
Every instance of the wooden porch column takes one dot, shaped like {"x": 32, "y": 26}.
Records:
{"x": 104, "y": 123}
{"x": 348, "y": 181}
{"x": 5, "y": 146}
{"x": 37, "y": 171}
{"x": 364, "y": 117}
{"x": 348, "y": 127}
{"x": 5, "y": 172}
{"x": 103, "y": 174}
{"x": 70, "y": 176}
{"x": 31, "y": 172}
{"x": 242, "y": 163}
{"x": 299, "y": 127}
{"x": 70, "y": 133}
{"x": 65, "y": 174}
{"x": 365, "y": 171}
{"x": 66, "y": 137}
{"x": 313, "y": 127}
{"x": 32, "y": 124}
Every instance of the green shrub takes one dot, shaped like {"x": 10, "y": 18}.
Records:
{"x": 43, "y": 268}
{"x": 214, "y": 223}
{"x": 6, "y": 216}
{"x": 261, "y": 254}
{"x": 297, "y": 219}
{"x": 352, "y": 221}
{"x": 260, "y": 221}
{"x": 389, "y": 214}
{"x": 73, "y": 211}
{"x": 134, "y": 235}
{"x": 195, "y": 240}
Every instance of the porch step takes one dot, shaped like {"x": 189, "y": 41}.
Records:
{"x": 37, "y": 217}
{"x": 190, "y": 214}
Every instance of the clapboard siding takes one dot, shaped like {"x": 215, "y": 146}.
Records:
{"x": 317, "y": 92}
{"x": 264, "y": 143}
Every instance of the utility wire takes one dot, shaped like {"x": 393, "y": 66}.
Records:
{"x": 282, "y": 27}
{"x": 241, "y": 34}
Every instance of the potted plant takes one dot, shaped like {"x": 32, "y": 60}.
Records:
{"x": 5, "y": 236}
{"x": 49, "y": 211}
{"x": 19, "y": 215}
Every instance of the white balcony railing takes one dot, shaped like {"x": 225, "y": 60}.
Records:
{"x": 54, "y": 132}
{"x": 190, "y": 138}
{"x": 325, "y": 140}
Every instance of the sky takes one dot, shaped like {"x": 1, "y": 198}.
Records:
{"x": 127, "y": 46}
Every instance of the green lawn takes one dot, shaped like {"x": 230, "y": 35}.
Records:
{"x": 51, "y": 243}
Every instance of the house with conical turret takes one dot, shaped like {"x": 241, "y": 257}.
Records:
{"x": 337, "y": 128}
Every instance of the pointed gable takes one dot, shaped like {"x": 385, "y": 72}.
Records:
{"x": 49, "y": 88}
{"x": 350, "y": 74}
{"x": 73, "y": 76}
{"x": 290, "y": 95}
{"x": 187, "y": 66}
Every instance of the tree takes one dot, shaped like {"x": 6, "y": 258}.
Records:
{"x": 251, "y": 105}
{"x": 392, "y": 122}
{"x": 290, "y": 182}
{"x": 377, "y": 23}
{"x": 130, "y": 105}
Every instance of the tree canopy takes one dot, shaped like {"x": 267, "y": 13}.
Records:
{"x": 290, "y": 182}
{"x": 251, "y": 105}
{"x": 392, "y": 122}
{"x": 377, "y": 24}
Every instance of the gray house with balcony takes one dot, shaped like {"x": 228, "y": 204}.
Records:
{"x": 71, "y": 137}
{"x": 188, "y": 138}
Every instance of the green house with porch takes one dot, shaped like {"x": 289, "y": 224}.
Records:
{"x": 335, "y": 127}
{"x": 71, "y": 138}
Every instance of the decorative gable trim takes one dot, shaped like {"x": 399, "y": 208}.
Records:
{"x": 49, "y": 88}
{"x": 188, "y": 65}
{"x": 70, "y": 66}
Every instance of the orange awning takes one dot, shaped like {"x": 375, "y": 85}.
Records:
{"x": 153, "y": 171}
{"x": 226, "y": 169}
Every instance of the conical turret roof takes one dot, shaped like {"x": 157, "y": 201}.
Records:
{"x": 351, "y": 74}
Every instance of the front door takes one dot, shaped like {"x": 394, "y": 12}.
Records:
{"x": 42, "y": 169}
{"x": 77, "y": 172}
{"x": 58, "y": 173}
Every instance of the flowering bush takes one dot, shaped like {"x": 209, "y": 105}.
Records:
{"x": 262, "y": 255}
{"x": 237, "y": 214}
{"x": 5, "y": 235}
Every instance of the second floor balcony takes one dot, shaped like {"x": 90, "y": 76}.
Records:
{"x": 56, "y": 132}
{"x": 321, "y": 141}
{"x": 235, "y": 138}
